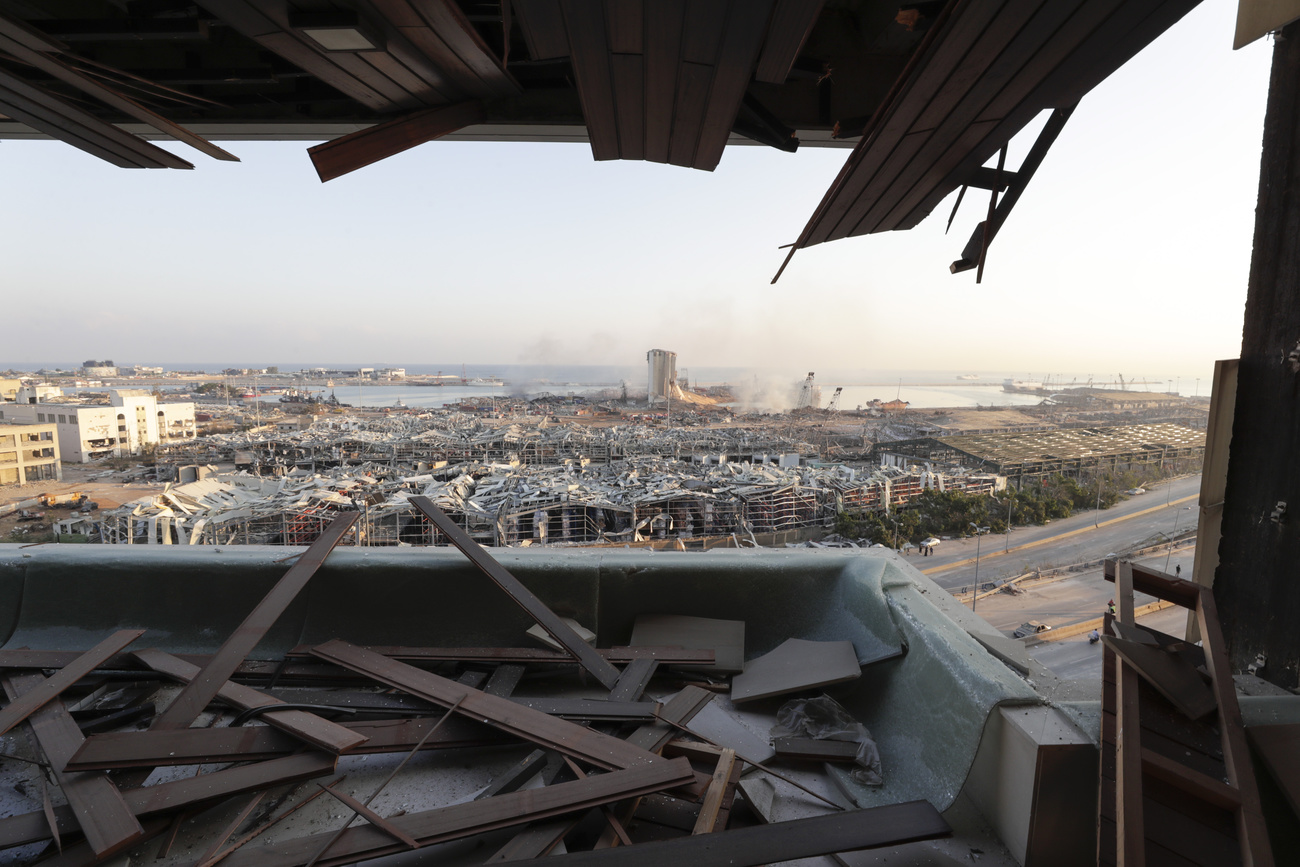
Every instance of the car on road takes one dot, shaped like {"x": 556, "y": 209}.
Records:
{"x": 1030, "y": 627}
{"x": 1133, "y": 492}
{"x": 930, "y": 542}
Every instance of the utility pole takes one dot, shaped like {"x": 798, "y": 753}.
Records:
{"x": 974, "y": 597}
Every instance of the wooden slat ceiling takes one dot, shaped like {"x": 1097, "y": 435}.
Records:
{"x": 663, "y": 80}
{"x": 986, "y": 69}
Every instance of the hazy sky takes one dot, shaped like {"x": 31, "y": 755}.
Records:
{"x": 1128, "y": 253}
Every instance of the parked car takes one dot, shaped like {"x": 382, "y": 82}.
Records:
{"x": 1133, "y": 492}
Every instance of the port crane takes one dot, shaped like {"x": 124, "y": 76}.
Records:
{"x": 834, "y": 405}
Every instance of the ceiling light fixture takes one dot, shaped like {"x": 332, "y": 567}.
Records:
{"x": 338, "y": 31}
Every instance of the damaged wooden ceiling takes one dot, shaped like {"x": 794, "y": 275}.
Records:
{"x": 925, "y": 92}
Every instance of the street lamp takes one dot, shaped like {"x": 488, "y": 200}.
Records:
{"x": 894, "y": 521}
{"x": 1006, "y": 545}
{"x": 1170, "y": 552}
{"x": 979, "y": 531}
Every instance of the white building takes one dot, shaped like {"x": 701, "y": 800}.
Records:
{"x": 130, "y": 421}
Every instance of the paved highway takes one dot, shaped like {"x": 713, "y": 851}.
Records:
{"x": 1138, "y": 521}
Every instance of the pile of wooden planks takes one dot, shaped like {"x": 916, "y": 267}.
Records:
{"x": 1177, "y": 782}
{"x": 116, "y": 731}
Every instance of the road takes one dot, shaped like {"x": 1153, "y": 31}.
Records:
{"x": 1076, "y": 659}
{"x": 1140, "y": 520}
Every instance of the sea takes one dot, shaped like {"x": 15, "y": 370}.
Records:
{"x": 769, "y": 388}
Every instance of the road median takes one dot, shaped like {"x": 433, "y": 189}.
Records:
{"x": 1051, "y": 539}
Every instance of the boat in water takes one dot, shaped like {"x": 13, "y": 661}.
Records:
{"x": 968, "y": 377}
{"x": 1022, "y": 386}
{"x": 486, "y": 381}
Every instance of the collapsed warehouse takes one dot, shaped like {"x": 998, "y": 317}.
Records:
{"x": 417, "y": 444}
{"x": 1035, "y": 454}
{"x": 637, "y": 501}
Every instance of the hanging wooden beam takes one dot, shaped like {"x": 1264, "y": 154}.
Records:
{"x": 587, "y": 657}
{"x": 43, "y": 111}
{"x": 16, "y": 39}
{"x": 792, "y": 23}
{"x": 362, "y": 148}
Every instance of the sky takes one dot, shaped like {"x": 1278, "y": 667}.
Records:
{"x": 1128, "y": 253}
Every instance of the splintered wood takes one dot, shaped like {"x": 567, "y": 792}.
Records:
{"x": 1177, "y": 782}
{"x": 291, "y": 738}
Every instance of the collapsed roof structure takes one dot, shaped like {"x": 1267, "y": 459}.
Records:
{"x": 632, "y": 501}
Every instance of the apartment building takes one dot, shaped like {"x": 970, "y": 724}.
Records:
{"x": 125, "y": 421}
{"x": 29, "y": 453}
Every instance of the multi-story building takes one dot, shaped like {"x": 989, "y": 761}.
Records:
{"x": 28, "y": 453}
{"x": 124, "y": 422}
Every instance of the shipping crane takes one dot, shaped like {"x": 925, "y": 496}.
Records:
{"x": 834, "y": 405}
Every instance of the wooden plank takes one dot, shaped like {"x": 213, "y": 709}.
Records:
{"x": 92, "y": 798}
{"x": 693, "y": 81}
{"x": 542, "y": 24}
{"x": 714, "y": 798}
{"x": 1072, "y": 74}
{"x": 1202, "y": 786}
{"x": 1152, "y": 582}
{"x": 615, "y": 655}
{"x": 815, "y": 750}
{"x": 628, "y": 82}
{"x": 1171, "y": 676}
{"x": 741, "y": 42}
{"x": 522, "y": 596}
{"x": 677, "y": 711}
{"x": 307, "y": 726}
{"x": 796, "y": 665}
{"x": 783, "y": 841}
{"x": 374, "y": 818}
{"x": 1002, "y": 60}
{"x": 473, "y": 817}
{"x": 176, "y": 795}
{"x": 726, "y": 638}
{"x": 663, "y": 39}
{"x": 148, "y": 749}
{"x": 43, "y": 111}
{"x": 633, "y": 681}
{"x": 1124, "y": 595}
{"x": 626, "y": 22}
{"x": 504, "y": 679}
{"x": 50, "y": 688}
{"x": 1256, "y": 850}
{"x": 946, "y": 43}
{"x": 584, "y": 21}
{"x": 204, "y": 686}
{"x": 445, "y": 18}
{"x": 368, "y": 146}
{"x": 792, "y": 23}
{"x": 523, "y": 722}
{"x": 15, "y": 36}
{"x": 1130, "y": 830}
